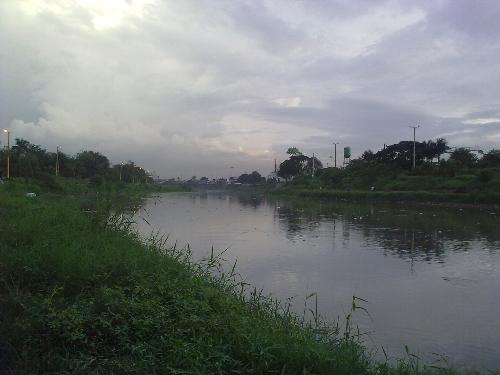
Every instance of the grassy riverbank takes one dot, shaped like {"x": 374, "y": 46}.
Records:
{"x": 374, "y": 182}
{"x": 80, "y": 293}
{"x": 475, "y": 198}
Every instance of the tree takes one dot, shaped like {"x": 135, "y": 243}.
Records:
{"x": 29, "y": 160}
{"x": 464, "y": 157}
{"x": 312, "y": 163}
{"x": 292, "y": 167}
{"x": 401, "y": 154}
{"x": 91, "y": 163}
{"x": 440, "y": 147}
{"x": 293, "y": 151}
{"x": 130, "y": 172}
{"x": 368, "y": 155}
{"x": 298, "y": 165}
{"x": 252, "y": 178}
{"x": 243, "y": 178}
{"x": 490, "y": 159}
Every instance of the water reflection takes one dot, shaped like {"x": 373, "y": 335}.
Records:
{"x": 430, "y": 274}
{"x": 418, "y": 233}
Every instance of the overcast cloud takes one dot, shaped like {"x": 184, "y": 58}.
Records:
{"x": 195, "y": 87}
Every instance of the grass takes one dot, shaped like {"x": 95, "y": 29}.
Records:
{"x": 81, "y": 293}
{"x": 392, "y": 196}
{"x": 355, "y": 182}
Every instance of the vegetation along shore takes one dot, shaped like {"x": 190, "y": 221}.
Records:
{"x": 81, "y": 292}
{"x": 390, "y": 175}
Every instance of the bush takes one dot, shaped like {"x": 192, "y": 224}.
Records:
{"x": 96, "y": 180}
{"x": 47, "y": 181}
{"x": 485, "y": 175}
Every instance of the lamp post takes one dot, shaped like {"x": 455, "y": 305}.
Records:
{"x": 313, "y": 166}
{"x": 57, "y": 160}
{"x": 414, "y": 131}
{"x": 335, "y": 157}
{"x": 121, "y": 167}
{"x": 8, "y": 152}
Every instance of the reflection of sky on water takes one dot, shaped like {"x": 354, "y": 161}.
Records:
{"x": 430, "y": 274}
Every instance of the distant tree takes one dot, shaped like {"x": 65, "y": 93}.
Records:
{"x": 67, "y": 165}
{"x": 292, "y": 167}
{"x": 32, "y": 161}
{"x": 252, "y": 178}
{"x": 430, "y": 150}
{"x": 368, "y": 155}
{"x": 27, "y": 165}
{"x": 91, "y": 163}
{"x": 297, "y": 165}
{"x": 440, "y": 147}
{"x": 464, "y": 157}
{"x": 243, "y": 178}
{"x": 401, "y": 154}
{"x": 131, "y": 173}
{"x": 307, "y": 168}
{"x": 490, "y": 159}
{"x": 293, "y": 151}
{"x": 29, "y": 160}
{"x": 204, "y": 180}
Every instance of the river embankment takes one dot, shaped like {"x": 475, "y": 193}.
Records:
{"x": 419, "y": 196}
{"x": 83, "y": 293}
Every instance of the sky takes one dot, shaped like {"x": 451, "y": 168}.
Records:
{"x": 221, "y": 87}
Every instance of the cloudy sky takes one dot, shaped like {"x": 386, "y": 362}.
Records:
{"x": 195, "y": 87}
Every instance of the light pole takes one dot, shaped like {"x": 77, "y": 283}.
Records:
{"x": 313, "y": 166}
{"x": 335, "y": 157}
{"x": 57, "y": 160}
{"x": 414, "y": 131}
{"x": 121, "y": 167}
{"x": 8, "y": 152}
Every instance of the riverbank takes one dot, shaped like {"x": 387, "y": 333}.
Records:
{"x": 83, "y": 294}
{"x": 463, "y": 199}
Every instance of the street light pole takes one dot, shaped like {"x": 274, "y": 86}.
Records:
{"x": 8, "y": 152}
{"x": 335, "y": 157}
{"x": 313, "y": 166}
{"x": 57, "y": 161}
{"x": 121, "y": 167}
{"x": 414, "y": 131}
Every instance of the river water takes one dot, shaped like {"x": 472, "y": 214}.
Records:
{"x": 430, "y": 275}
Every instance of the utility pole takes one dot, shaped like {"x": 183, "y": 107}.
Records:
{"x": 57, "y": 161}
{"x": 121, "y": 167}
{"x": 313, "y": 166}
{"x": 335, "y": 157}
{"x": 414, "y": 131}
{"x": 8, "y": 153}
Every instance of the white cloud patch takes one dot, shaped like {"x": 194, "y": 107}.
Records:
{"x": 482, "y": 121}
{"x": 294, "y": 101}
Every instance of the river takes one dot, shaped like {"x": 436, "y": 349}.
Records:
{"x": 429, "y": 275}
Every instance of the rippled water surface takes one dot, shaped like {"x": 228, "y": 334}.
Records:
{"x": 430, "y": 275}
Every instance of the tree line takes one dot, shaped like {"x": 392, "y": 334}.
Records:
{"x": 32, "y": 161}
{"x": 399, "y": 156}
